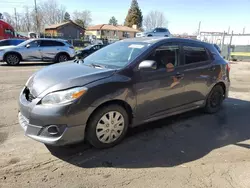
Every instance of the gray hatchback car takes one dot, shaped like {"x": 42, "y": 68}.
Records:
{"x": 125, "y": 84}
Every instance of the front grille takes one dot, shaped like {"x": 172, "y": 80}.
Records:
{"x": 23, "y": 121}
{"x": 28, "y": 95}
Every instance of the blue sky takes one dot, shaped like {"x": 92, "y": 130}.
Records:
{"x": 182, "y": 15}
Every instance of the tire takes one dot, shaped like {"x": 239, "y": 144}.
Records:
{"x": 103, "y": 132}
{"x": 62, "y": 58}
{"x": 149, "y": 35}
{"x": 214, "y": 100}
{"x": 12, "y": 59}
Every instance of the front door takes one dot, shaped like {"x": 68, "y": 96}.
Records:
{"x": 161, "y": 89}
{"x": 32, "y": 51}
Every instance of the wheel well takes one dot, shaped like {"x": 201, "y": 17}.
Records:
{"x": 5, "y": 55}
{"x": 121, "y": 103}
{"x": 62, "y": 53}
{"x": 223, "y": 87}
{"x": 150, "y": 35}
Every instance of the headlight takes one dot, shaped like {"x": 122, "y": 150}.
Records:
{"x": 63, "y": 97}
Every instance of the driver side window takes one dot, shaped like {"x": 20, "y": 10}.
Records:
{"x": 166, "y": 56}
{"x": 34, "y": 44}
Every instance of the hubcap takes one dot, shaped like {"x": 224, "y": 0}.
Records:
{"x": 110, "y": 127}
{"x": 215, "y": 99}
{"x": 12, "y": 59}
{"x": 63, "y": 58}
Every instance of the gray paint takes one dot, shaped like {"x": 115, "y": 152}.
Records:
{"x": 148, "y": 93}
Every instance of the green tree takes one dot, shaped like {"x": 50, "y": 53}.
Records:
{"x": 134, "y": 16}
{"x": 66, "y": 17}
{"x": 113, "y": 21}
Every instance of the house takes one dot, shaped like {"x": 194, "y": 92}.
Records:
{"x": 111, "y": 31}
{"x": 66, "y": 30}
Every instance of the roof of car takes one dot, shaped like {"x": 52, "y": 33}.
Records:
{"x": 12, "y": 39}
{"x": 153, "y": 40}
{"x": 60, "y": 40}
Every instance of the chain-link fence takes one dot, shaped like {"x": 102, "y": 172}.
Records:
{"x": 233, "y": 46}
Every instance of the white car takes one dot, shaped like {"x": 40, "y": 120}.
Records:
{"x": 56, "y": 50}
{"x": 157, "y": 32}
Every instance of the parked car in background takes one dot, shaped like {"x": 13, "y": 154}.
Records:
{"x": 81, "y": 54}
{"x": 125, "y": 84}
{"x": 56, "y": 50}
{"x": 10, "y": 42}
{"x": 157, "y": 32}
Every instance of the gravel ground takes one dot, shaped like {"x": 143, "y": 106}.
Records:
{"x": 188, "y": 150}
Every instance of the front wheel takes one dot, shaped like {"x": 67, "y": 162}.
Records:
{"x": 107, "y": 127}
{"x": 214, "y": 100}
{"x": 12, "y": 59}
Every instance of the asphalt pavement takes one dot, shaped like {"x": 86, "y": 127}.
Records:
{"x": 184, "y": 151}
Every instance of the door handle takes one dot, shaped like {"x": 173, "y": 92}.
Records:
{"x": 179, "y": 75}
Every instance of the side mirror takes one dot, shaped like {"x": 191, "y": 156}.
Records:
{"x": 28, "y": 45}
{"x": 148, "y": 65}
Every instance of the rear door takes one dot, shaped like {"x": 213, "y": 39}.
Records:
{"x": 198, "y": 70}
{"x": 50, "y": 48}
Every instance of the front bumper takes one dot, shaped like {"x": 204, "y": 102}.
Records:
{"x": 1, "y": 56}
{"x": 67, "y": 135}
{"x": 37, "y": 120}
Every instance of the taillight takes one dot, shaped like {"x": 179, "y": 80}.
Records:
{"x": 228, "y": 67}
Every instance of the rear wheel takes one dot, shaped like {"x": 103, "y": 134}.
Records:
{"x": 12, "y": 59}
{"x": 149, "y": 35}
{"x": 107, "y": 127}
{"x": 62, "y": 58}
{"x": 214, "y": 100}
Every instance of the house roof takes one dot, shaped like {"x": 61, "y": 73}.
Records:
{"x": 55, "y": 26}
{"x": 111, "y": 28}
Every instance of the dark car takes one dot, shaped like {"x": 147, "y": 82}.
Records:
{"x": 218, "y": 48}
{"x": 81, "y": 54}
{"x": 125, "y": 84}
{"x": 11, "y": 42}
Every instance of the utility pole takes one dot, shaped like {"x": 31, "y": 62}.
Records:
{"x": 37, "y": 22}
{"x": 199, "y": 28}
{"x": 228, "y": 30}
{"x": 16, "y": 19}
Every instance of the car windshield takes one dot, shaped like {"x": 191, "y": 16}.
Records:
{"x": 24, "y": 43}
{"x": 117, "y": 55}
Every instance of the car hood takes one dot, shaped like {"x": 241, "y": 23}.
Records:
{"x": 6, "y": 47}
{"x": 65, "y": 75}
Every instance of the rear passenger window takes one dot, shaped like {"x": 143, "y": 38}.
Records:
{"x": 194, "y": 54}
{"x": 50, "y": 43}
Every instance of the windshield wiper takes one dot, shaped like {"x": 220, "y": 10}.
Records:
{"x": 78, "y": 61}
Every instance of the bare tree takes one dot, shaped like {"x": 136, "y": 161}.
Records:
{"x": 83, "y": 18}
{"x": 8, "y": 18}
{"x": 155, "y": 19}
{"x": 50, "y": 12}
